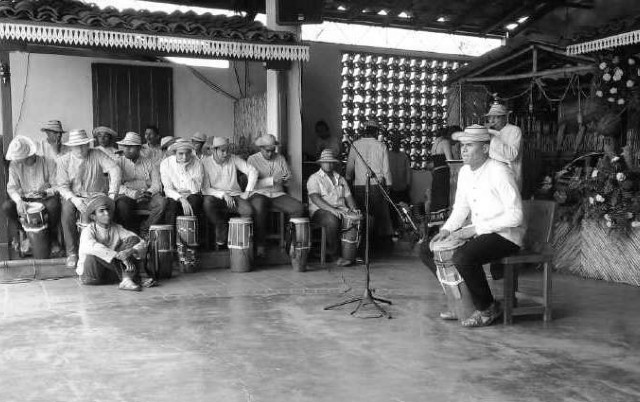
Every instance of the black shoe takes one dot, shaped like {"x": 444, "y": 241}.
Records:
{"x": 222, "y": 247}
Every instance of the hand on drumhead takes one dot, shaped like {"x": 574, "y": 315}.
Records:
{"x": 465, "y": 232}
{"x": 441, "y": 235}
{"x": 246, "y": 195}
{"x": 231, "y": 202}
{"x": 35, "y": 194}
{"x": 186, "y": 207}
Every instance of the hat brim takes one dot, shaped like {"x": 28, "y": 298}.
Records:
{"x": 175, "y": 147}
{"x": 128, "y": 143}
{"x": 97, "y": 203}
{"x": 109, "y": 131}
{"x": 319, "y": 161}
{"x": 78, "y": 143}
{"x": 44, "y": 129}
{"x": 466, "y": 137}
{"x": 260, "y": 144}
{"x": 508, "y": 112}
{"x": 198, "y": 140}
{"x": 32, "y": 152}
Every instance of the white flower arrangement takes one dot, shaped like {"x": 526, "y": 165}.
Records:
{"x": 621, "y": 176}
{"x": 606, "y": 77}
{"x": 599, "y": 198}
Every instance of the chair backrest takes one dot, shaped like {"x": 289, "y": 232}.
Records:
{"x": 539, "y": 216}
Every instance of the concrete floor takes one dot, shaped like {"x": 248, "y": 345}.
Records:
{"x": 264, "y": 336}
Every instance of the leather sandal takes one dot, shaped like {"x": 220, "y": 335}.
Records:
{"x": 128, "y": 284}
{"x": 483, "y": 318}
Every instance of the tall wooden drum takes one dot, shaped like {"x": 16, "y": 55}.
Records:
{"x": 300, "y": 243}
{"x": 240, "y": 243}
{"x": 187, "y": 230}
{"x": 350, "y": 235}
{"x": 458, "y": 297}
{"x": 37, "y": 231}
{"x": 161, "y": 251}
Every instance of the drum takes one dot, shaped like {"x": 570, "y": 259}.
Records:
{"x": 188, "y": 258}
{"x": 161, "y": 249}
{"x": 187, "y": 230}
{"x": 300, "y": 243}
{"x": 350, "y": 235}
{"x": 240, "y": 243}
{"x": 458, "y": 297}
{"x": 39, "y": 239}
{"x": 35, "y": 215}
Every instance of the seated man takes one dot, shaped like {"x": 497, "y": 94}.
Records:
{"x": 153, "y": 148}
{"x": 273, "y": 174}
{"x": 165, "y": 143}
{"x": 105, "y": 141}
{"x": 29, "y": 181}
{"x": 182, "y": 176}
{"x": 198, "y": 140}
{"x": 329, "y": 199}
{"x": 487, "y": 193}
{"x": 107, "y": 250}
{"x": 222, "y": 193}
{"x": 140, "y": 188}
{"x": 81, "y": 174}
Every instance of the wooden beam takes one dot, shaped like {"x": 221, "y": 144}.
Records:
{"x": 502, "y": 60}
{"x": 558, "y": 71}
{"x": 7, "y": 133}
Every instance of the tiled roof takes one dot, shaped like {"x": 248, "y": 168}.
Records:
{"x": 78, "y": 14}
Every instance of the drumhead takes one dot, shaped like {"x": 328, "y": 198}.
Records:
{"x": 161, "y": 227}
{"x": 240, "y": 220}
{"x": 450, "y": 243}
{"x": 34, "y": 207}
{"x": 353, "y": 216}
{"x": 186, "y": 218}
{"x": 299, "y": 220}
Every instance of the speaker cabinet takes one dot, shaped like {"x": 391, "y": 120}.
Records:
{"x": 296, "y": 12}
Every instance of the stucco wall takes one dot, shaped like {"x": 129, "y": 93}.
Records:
{"x": 59, "y": 87}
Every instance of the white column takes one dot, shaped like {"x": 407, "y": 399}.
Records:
{"x": 284, "y": 92}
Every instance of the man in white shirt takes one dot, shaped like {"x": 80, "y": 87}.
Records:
{"x": 506, "y": 140}
{"x": 376, "y": 155}
{"x": 329, "y": 199}
{"x": 105, "y": 141}
{"x": 222, "y": 193}
{"x": 488, "y": 195}
{"x": 182, "y": 176}
{"x": 273, "y": 175}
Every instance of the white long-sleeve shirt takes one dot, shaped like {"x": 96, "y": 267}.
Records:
{"x": 506, "y": 146}
{"x": 266, "y": 170}
{"x": 181, "y": 179}
{"x": 376, "y": 155}
{"x": 221, "y": 179}
{"x": 104, "y": 243}
{"x": 490, "y": 197}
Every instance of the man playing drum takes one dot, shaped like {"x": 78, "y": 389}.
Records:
{"x": 107, "y": 250}
{"x": 29, "y": 181}
{"x": 182, "y": 176}
{"x": 81, "y": 174}
{"x": 273, "y": 174}
{"x": 140, "y": 188}
{"x": 329, "y": 199}
{"x": 487, "y": 193}
{"x": 222, "y": 193}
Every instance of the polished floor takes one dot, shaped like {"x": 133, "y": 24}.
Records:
{"x": 264, "y": 336}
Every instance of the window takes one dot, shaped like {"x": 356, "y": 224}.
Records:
{"x": 406, "y": 96}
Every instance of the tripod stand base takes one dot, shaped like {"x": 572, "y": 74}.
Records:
{"x": 367, "y": 300}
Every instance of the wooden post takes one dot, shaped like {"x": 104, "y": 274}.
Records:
{"x": 7, "y": 133}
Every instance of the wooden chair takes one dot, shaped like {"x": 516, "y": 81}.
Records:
{"x": 539, "y": 216}
{"x": 322, "y": 240}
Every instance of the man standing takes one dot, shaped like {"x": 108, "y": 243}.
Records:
{"x": 107, "y": 250}
{"x": 29, "y": 181}
{"x": 375, "y": 155}
{"x": 152, "y": 149}
{"x": 81, "y": 174}
{"x": 273, "y": 175}
{"x": 51, "y": 148}
{"x": 329, "y": 199}
{"x": 182, "y": 176}
{"x": 506, "y": 140}
{"x": 140, "y": 188}
{"x": 221, "y": 189}
{"x": 487, "y": 194}
{"x": 104, "y": 141}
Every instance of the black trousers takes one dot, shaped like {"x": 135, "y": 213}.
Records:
{"x": 174, "y": 208}
{"x": 126, "y": 207}
{"x": 218, "y": 213}
{"x": 469, "y": 259}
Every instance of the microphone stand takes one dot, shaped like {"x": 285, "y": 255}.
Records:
{"x": 368, "y": 298}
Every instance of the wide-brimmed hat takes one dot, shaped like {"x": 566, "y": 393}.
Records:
{"x": 77, "y": 138}
{"x": 199, "y": 137}
{"x": 131, "y": 139}
{"x": 327, "y": 156}
{"x": 20, "y": 147}
{"x": 218, "y": 142}
{"x": 267, "y": 140}
{"x": 181, "y": 143}
{"x": 166, "y": 141}
{"x": 98, "y": 201}
{"x": 371, "y": 124}
{"x": 53, "y": 125}
{"x": 474, "y": 133}
{"x": 104, "y": 130}
{"x": 498, "y": 109}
